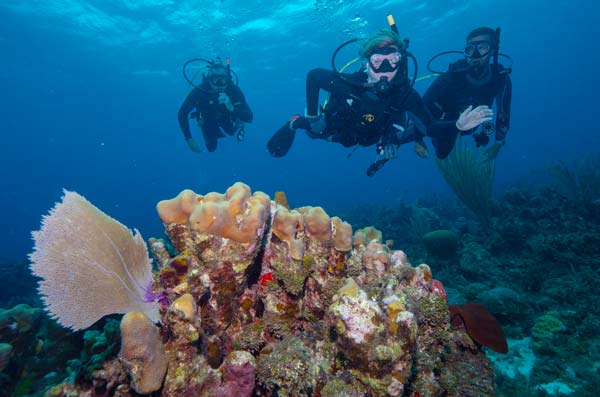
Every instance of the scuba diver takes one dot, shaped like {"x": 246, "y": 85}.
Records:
{"x": 372, "y": 106}
{"x": 472, "y": 81}
{"x": 217, "y": 104}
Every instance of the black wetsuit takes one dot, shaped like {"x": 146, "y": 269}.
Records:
{"x": 358, "y": 116}
{"x": 212, "y": 115}
{"x": 452, "y": 92}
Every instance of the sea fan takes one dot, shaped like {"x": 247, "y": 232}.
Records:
{"x": 90, "y": 264}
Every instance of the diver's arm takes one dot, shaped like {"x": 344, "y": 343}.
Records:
{"x": 423, "y": 120}
{"x": 437, "y": 90}
{"x": 186, "y": 107}
{"x": 241, "y": 110}
{"x": 316, "y": 80}
{"x": 503, "y": 101}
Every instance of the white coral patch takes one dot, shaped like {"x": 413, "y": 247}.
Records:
{"x": 357, "y": 313}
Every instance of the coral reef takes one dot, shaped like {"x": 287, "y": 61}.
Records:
{"x": 99, "y": 346}
{"x": 535, "y": 268}
{"x": 262, "y": 300}
{"x": 34, "y": 351}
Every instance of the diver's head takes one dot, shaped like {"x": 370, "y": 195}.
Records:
{"x": 218, "y": 77}
{"x": 383, "y": 52}
{"x": 480, "y": 46}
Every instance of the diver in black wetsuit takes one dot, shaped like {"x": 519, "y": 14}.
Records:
{"x": 219, "y": 106}
{"x": 372, "y": 106}
{"x": 472, "y": 81}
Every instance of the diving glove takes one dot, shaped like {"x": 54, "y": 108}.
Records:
{"x": 387, "y": 151}
{"x": 240, "y": 134}
{"x": 421, "y": 148}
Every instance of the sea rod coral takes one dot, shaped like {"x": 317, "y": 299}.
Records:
{"x": 262, "y": 300}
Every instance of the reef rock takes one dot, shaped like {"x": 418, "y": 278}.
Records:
{"x": 263, "y": 300}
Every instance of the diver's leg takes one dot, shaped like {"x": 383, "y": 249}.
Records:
{"x": 211, "y": 132}
{"x": 315, "y": 127}
{"x": 444, "y": 144}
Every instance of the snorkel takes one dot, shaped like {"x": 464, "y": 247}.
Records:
{"x": 495, "y": 52}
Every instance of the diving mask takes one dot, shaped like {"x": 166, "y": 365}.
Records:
{"x": 478, "y": 49}
{"x": 218, "y": 81}
{"x": 385, "y": 59}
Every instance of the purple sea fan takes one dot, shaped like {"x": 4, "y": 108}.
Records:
{"x": 90, "y": 265}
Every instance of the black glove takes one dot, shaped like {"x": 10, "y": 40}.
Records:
{"x": 481, "y": 139}
{"x": 387, "y": 151}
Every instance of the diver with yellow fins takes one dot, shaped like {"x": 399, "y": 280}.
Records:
{"x": 217, "y": 104}
{"x": 372, "y": 106}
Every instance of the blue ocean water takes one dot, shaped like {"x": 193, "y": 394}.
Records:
{"x": 89, "y": 93}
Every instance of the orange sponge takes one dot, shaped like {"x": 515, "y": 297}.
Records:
{"x": 342, "y": 234}
{"x": 178, "y": 210}
{"x": 318, "y": 223}
{"x": 236, "y": 215}
{"x": 286, "y": 225}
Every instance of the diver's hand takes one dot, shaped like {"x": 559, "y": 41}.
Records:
{"x": 491, "y": 153}
{"x": 193, "y": 145}
{"x": 226, "y": 101}
{"x": 421, "y": 149}
{"x": 471, "y": 118}
{"x": 387, "y": 151}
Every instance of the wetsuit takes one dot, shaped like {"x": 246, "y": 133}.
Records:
{"x": 212, "y": 115}
{"x": 452, "y": 92}
{"x": 358, "y": 116}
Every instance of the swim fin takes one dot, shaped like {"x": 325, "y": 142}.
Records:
{"x": 376, "y": 166}
{"x": 281, "y": 142}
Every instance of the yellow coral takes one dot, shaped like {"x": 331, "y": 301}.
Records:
{"x": 185, "y": 307}
{"x": 350, "y": 288}
{"x": 281, "y": 199}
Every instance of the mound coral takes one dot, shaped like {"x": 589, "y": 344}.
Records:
{"x": 441, "y": 243}
{"x": 142, "y": 352}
